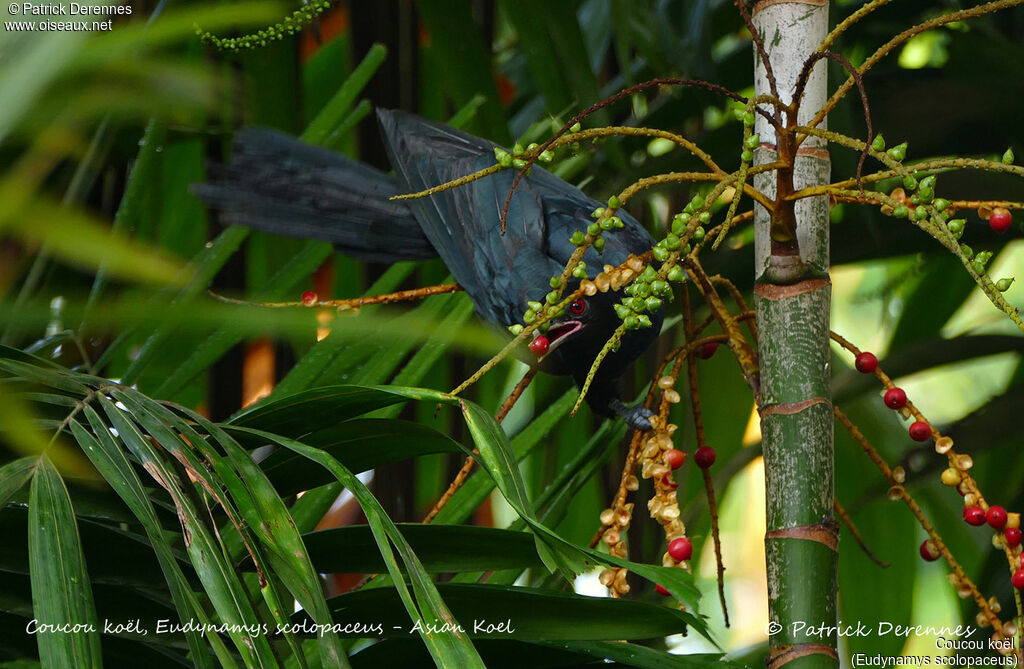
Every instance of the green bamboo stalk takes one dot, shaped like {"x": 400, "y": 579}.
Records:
{"x": 792, "y": 298}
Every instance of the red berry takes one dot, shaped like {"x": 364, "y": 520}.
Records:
{"x": 929, "y": 551}
{"x": 895, "y": 398}
{"x": 1013, "y": 536}
{"x": 660, "y": 589}
{"x": 704, "y": 457}
{"x": 1018, "y": 579}
{"x": 674, "y": 458}
{"x": 920, "y": 430}
{"x": 666, "y": 480}
{"x": 705, "y": 351}
{"x": 996, "y": 517}
{"x": 866, "y": 363}
{"x": 1000, "y": 220}
{"x": 539, "y": 345}
{"x": 309, "y": 298}
{"x": 680, "y": 549}
{"x": 973, "y": 515}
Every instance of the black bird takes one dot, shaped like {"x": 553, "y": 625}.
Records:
{"x": 276, "y": 183}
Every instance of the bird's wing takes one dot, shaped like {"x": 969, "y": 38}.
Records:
{"x": 278, "y": 184}
{"x": 500, "y": 272}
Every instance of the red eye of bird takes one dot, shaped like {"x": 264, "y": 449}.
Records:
{"x": 577, "y": 307}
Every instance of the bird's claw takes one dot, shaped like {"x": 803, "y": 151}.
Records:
{"x": 637, "y": 417}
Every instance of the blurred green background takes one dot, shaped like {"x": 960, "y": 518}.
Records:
{"x": 105, "y": 259}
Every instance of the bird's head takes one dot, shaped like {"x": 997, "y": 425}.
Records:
{"x": 574, "y": 339}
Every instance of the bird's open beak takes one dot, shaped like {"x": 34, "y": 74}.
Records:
{"x": 557, "y": 334}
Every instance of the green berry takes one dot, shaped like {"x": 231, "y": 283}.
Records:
{"x": 660, "y": 254}
{"x": 580, "y": 272}
{"x": 515, "y": 329}
{"x": 577, "y": 238}
{"x": 614, "y": 202}
{"x": 599, "y": 244}
{"x": 517, "y": 150}
{"x": 752, "y": 141}
{"x": 631, "y": 322}
{"x": 501, "y": 155}
{"x": 676, "y": 274}
{"x": 529, "y": 317}
{"x": 898, "y": 152}
{"x": 597, "y": 213}
{"x": 748, "y": 119}
{"x": 518, "y": 163}
{"x": 928, "y": 181}
{"x": 555, "y": 282}
{"x": 642, "y": 289}
{"x": 909, "y": 182}
{"x": 941, "y": 203}
{"x": 678, "y": 226}
{"x": 575, "y": 127}
{"x": 660, "y": 287}
{"x": 698, "y": 235}
{"x": 900, "y": 212}
{"x": 956, "y": 226}
{"x": 644, "y": 320}
{"x": 672, "y": 242}
{"x": 1003, "y": 285}
{"x": 1007, "y": 158}
{"x": 552, "y": 297}
{"x": 609, "y": 223}
{"x": 920, "y": 213}
{"x": 967, "y": 251}
{"x": 648, "y": 274}
{"x": 622, "y": 311}
{"x": 546, "y": 156}
{"x": 653, "y": 303}
{"x": 978, "y": 267}
{"x": 704, "y": 218}
{"x": 927, "y": 194}
{"x": 535, "y": 306}
{"x": 878, "y": 143}
{"x": 637, "y": 304}
{"x": 746, "y": 156}
{"x": 593, "y": 229}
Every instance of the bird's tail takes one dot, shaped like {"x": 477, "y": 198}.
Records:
{"x": 278, "y": 184}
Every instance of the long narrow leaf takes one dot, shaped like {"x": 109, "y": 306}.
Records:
{"x": 323, "y": 129}
{"x": 267, "y": 516}
{"x": 221, "y": 583}
{"x": 61, "y": 590}
{"x": 448, "y": 648}
{"x": 110, "y": 461}
{"x": 14, "y": 475}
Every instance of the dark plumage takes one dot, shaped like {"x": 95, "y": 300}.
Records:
{"x": 280, "y": 185}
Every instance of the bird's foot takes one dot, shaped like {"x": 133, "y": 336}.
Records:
{"x": 637, "y": 417}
